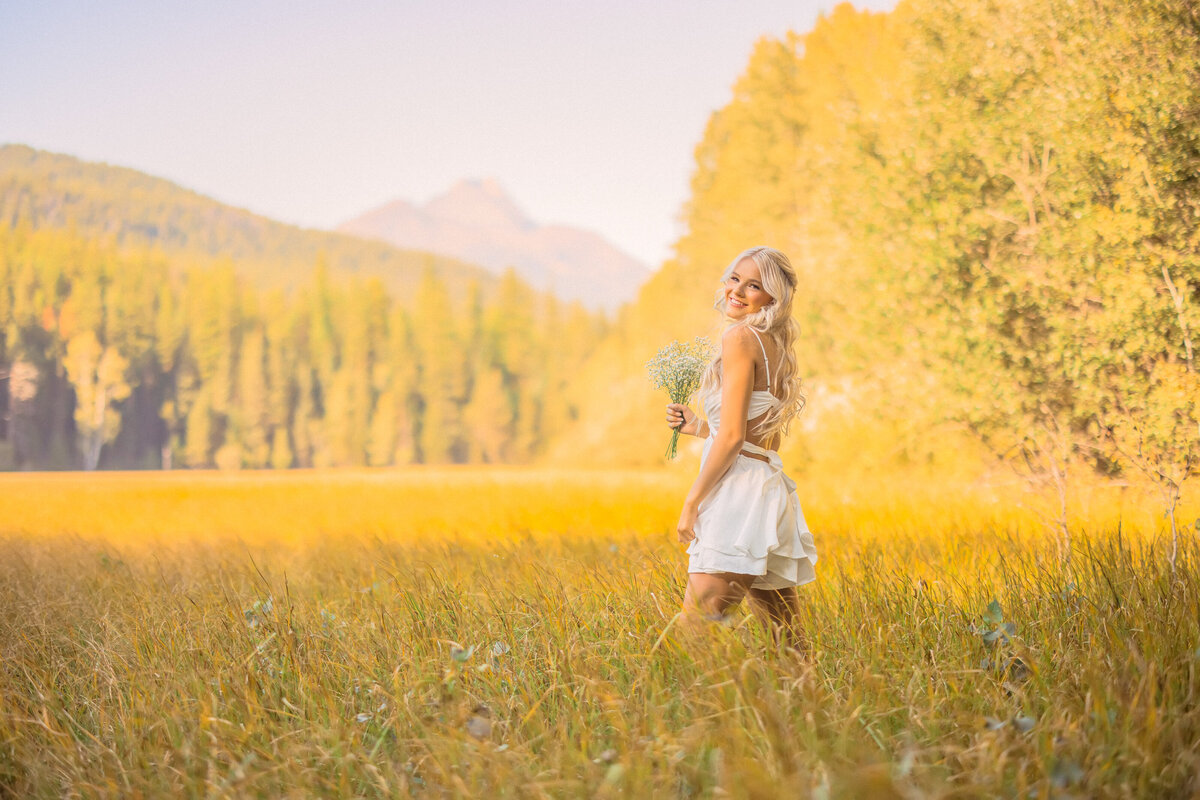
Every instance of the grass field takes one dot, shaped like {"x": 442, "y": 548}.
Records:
{"x": 509, "y": 632}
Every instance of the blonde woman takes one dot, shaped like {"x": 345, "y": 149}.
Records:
{"x": 742, "y": 521}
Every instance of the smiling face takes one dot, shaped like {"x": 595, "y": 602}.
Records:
{"x": 744, "y": 293}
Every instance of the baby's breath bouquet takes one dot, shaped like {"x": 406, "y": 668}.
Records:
{"x": 678, "y": 368}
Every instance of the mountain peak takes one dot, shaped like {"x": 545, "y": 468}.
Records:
{"x": 479, "y": 202}
{"x": 476, "y": 220}
{"x": 488, "y": 186}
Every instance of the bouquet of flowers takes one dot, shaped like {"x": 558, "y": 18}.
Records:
{"x": 678, "y": 368}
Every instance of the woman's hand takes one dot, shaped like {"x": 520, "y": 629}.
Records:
{"x": 687, "y": 523}
{"x": 677, "y": 413}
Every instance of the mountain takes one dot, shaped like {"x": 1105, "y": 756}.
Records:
{"x": 477, "y": 221}
{"x": 128, "y": 208}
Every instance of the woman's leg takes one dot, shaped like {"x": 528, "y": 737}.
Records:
{"x": 779, "y": 610}
{"x": 711, "y": 595}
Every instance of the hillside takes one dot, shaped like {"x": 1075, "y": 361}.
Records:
{"x": 478, "y": 222}
{"x": 130, "y": 209}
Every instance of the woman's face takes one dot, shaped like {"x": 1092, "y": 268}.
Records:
{"x": 744, "y": 293}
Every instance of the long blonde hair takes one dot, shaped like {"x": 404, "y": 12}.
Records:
{"x": 774, "y": 320}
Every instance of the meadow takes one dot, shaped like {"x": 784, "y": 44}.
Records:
{"x": 510, "y": 632}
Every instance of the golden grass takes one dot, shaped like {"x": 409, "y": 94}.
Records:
{"x": 507, "y": 632}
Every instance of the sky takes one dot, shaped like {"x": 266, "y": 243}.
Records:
{"x": 587, "y": 113}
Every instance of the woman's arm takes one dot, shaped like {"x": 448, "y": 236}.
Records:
{"x": 737, "y": 381}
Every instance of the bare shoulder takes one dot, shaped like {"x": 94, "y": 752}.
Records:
{"x": 738, "y": 340}
{"x": 739, "y": 351}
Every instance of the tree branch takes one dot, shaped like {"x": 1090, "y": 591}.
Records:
{"x": 1178, "y": 300}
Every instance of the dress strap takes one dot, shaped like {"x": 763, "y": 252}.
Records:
{"x": 766, "y": 360}
{"x": 761, "y": 453}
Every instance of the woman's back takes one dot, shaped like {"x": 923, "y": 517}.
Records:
{"x": 762, "y": 399}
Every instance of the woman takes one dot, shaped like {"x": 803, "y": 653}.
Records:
{"x": 742, "y": 520}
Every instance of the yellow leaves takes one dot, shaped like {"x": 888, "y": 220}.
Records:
{"x": 1163, "y": 415}
{"x": 1175, "y": 389}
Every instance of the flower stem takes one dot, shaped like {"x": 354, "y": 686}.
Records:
{"x": 673, "y": 446}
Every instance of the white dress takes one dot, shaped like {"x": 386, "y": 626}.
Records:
{"x": 751, "y": 522}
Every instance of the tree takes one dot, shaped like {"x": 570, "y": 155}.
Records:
{"x": 1157, "y": 432}
{"x": 214, "y": 326}
{"x": 199, "y": 447}
{"x": 393, "y": 438}
{"x": 1040, "y": 184}
{"x": 488, "y": 418}
{"x": 252, "y": 415}
{"x": 439, "y": 358}
{"x": 98, "y": 376}
{"x": 281, "y": 382}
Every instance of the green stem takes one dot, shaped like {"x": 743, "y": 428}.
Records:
{"x": 673, "y": 446}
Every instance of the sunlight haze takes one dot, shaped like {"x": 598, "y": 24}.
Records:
{"x": 313, "y": 113}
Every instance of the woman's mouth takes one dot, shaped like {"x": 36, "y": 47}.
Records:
{"x": 733, "y": 302}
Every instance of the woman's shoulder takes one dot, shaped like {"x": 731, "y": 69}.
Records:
{"x": 739, "y": 351}
{"x": 738, "y": 337}
{"x": 742, "y": 339}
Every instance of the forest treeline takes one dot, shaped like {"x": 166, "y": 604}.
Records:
{"x": 113, "y": 358}
{"x": 993, "y": 209}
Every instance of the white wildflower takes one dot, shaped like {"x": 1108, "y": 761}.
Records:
{"x": 678, "y": 368}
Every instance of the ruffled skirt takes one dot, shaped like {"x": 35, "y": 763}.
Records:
{"x": 751, "y": 524}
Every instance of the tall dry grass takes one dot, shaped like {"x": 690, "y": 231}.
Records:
{"x": 508, "y": 632}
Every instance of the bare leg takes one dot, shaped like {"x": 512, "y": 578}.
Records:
{"x": 712, "y": 595}
{"x": 779, "y": 610}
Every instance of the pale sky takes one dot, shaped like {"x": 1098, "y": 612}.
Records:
{"x": 588, "y": 113}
